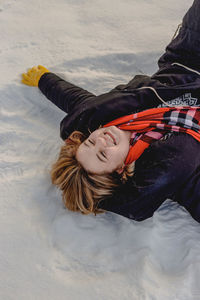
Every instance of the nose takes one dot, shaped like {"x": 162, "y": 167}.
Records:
{"x": 101, "y": 142}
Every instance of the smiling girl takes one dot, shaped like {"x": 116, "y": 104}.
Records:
{"x": 128, "y": 150}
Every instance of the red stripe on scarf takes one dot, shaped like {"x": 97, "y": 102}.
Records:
{"x": 165, "y": 119}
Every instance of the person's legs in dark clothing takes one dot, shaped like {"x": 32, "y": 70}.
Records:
{"x": 185, "y": 47}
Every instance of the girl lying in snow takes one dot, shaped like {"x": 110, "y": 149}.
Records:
{"x": 130, "y": 149}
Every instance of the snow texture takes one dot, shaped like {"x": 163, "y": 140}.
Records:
{"x": 46, "y": 251}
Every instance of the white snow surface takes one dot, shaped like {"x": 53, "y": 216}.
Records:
{"x": 46, "y": 251}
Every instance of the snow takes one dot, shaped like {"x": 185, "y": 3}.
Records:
{"x": 46, "y": 251}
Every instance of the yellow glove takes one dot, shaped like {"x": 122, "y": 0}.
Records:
{"x": 33, "y": 75}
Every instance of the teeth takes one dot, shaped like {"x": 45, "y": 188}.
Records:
{"x": 110, "y": 138}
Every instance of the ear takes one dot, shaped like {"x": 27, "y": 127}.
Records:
{"x": 120, "y": 170}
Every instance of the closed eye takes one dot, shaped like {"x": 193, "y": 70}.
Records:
{"x": 103, "y": 154}
{"x": 91, "y": 142}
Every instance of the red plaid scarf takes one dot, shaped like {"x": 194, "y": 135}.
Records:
{"x": 152, "y": 124}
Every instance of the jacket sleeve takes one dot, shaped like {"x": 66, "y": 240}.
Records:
{"x": 62, "y": 93}
{"x": 162, "y": 170}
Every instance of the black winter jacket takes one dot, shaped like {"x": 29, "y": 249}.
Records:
{"x": 169, "y": 168}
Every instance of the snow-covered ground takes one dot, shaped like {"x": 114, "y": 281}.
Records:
{"x": 47, "y": 252}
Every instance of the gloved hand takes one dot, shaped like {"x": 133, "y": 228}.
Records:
{"x": 33, "y": 75}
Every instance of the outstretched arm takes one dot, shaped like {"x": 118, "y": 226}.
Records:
{"x": 63, "y": 94}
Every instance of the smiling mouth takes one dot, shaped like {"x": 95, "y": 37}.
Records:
{"x": 112, "y": 137}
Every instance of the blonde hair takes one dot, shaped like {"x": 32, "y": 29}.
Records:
{"x": 82, "y": 191}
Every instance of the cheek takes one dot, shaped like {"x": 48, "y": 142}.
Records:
{"x": 95, "y": 133}
{"x": 119, "y": 155}
{"x": 124, "y": 148}
{"x": 123, "y": 155}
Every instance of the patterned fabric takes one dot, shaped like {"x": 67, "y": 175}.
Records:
{"x": 152, "y": 124}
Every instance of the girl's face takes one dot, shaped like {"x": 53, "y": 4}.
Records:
{"x": 104, "y": 151}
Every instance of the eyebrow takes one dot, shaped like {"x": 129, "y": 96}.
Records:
{"x": 96, "y": 154}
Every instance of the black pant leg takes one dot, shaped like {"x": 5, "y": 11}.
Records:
{"x": 185, "y": 47}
